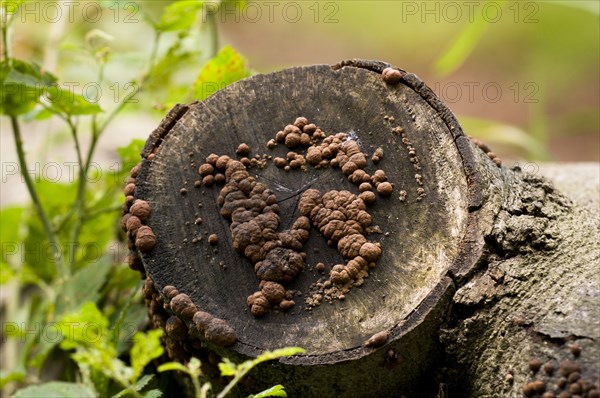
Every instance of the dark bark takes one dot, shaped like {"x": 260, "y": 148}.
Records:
{"x": 482, "y": 246}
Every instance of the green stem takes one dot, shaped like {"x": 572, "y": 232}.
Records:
{"x": 142, "y": 81}
{"x": 5, "y": 50}
{"x": 93, "y": 213}
{"x": 78, "y": 206}
{"x": 197, "y": 387}
{"x": 50, "y": 234}
{"x": 211, "y": 21}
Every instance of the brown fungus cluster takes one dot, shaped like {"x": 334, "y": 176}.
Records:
{"x": 135, "y": 214}
{"x": 254, "y": 214}
{"x": 253, "y": 211}
{"x": 564, "y": 379}
{"x": 342, "y": 219}
{"x": 488, "y": 151}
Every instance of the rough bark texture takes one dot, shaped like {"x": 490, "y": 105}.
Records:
{"x": 536, "y": 292}
{"x": 491, "y": 268}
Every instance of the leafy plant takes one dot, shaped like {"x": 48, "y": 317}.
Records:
{"x": 229, "y": 369}
{"x": 59, "y": 251}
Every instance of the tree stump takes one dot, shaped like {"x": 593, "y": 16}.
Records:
{"x": 376, "y": 333}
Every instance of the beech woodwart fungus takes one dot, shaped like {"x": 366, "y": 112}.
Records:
{"x": 219, "y": 332}
{"x": 133, "y": 224}
{"x": 378, "y": 339}
{"x": 140, "y": 209}
{"x": 183, "y": 306}
{"x": 385, "y": 189}
{"x": 213, "y": 329}
{"x": 206, "y": 169}
{"x": 243, "y": 149}
{"x": 175, "y": 328}
{"x": 391, "y": 76}
{"x": 170, "y": 291}
{"x": 340, "y": 216}
{"x": 213, "y": 239}
{"x": 145, "y": 240}
{"x": 253, "y": 211}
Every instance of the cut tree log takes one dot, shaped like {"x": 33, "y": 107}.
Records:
{"x": 396, "y": 323}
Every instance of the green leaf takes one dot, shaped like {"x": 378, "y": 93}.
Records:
{"x": 156, "y": 393}
{"x": 84, "y": 286}
{"x": 227, "y": 367}
{"x": 226, "y": 67}
{"x": 275, "y": 391}
{"x": 142, "y": 382}
{"x": 130, "y": 155}
{"x": 179, "y": 15}
{"x": 146, "y": 347}
{"x": 55, "y": 389}
{"x": 67, "y": 103}
{"x": 86, "y": 327}
{"x": 282, "y": 352}
{"x": 21, "y": 85}
{"x": 463, "y": 45}
{"x": 11, "y": 248}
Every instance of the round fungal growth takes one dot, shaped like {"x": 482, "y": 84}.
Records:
{"x": 385, "y": 189}
{"x": 213, "y": 239}
{"x": 145, "y": 240}
{"x": 140, "y": 209}
{"x": 220, "y": 333}
{"x": 243, "y": 149}
{"x": 206, "y": 169}
{"x": 132, "y": 224}
{"x": 183, "y": 306}
{"x": 378, "y": 339}
{"x": 391, "y": 76}
{"x": 176, "y": 328}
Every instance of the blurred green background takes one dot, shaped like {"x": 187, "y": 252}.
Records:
{"x": 522, "y": 66}
{"x": 523, "y": 75}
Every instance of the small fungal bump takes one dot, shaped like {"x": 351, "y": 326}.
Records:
{"x": 183, "y": 191}
{"x": 285, "y": 305}
{"x": 385, "y": 189}
{"x": 575, "y": 350}
{"x": 175, "y": 328}
{"x": 567, "y": 367}
{"x": 535, "y": 365}
{"x": 378, "y": 339}
{"x": 129, "y": 189}
{"x": 170, "y": 291}
{"x": 320, "y": 267}
{"x": 220, "y": 333}
{"x": 140, "y": 209}
{"x": 206, "y": 169}
{"x": 213, "y": 239}
{"x": 133, "y": 224}
{"x": 182, "y": 305}
{"x": 145, "y": 239}
{"x": 243, "y": 149}
{"x": 201, "y": 320}
{"x": 391, "y": 76}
